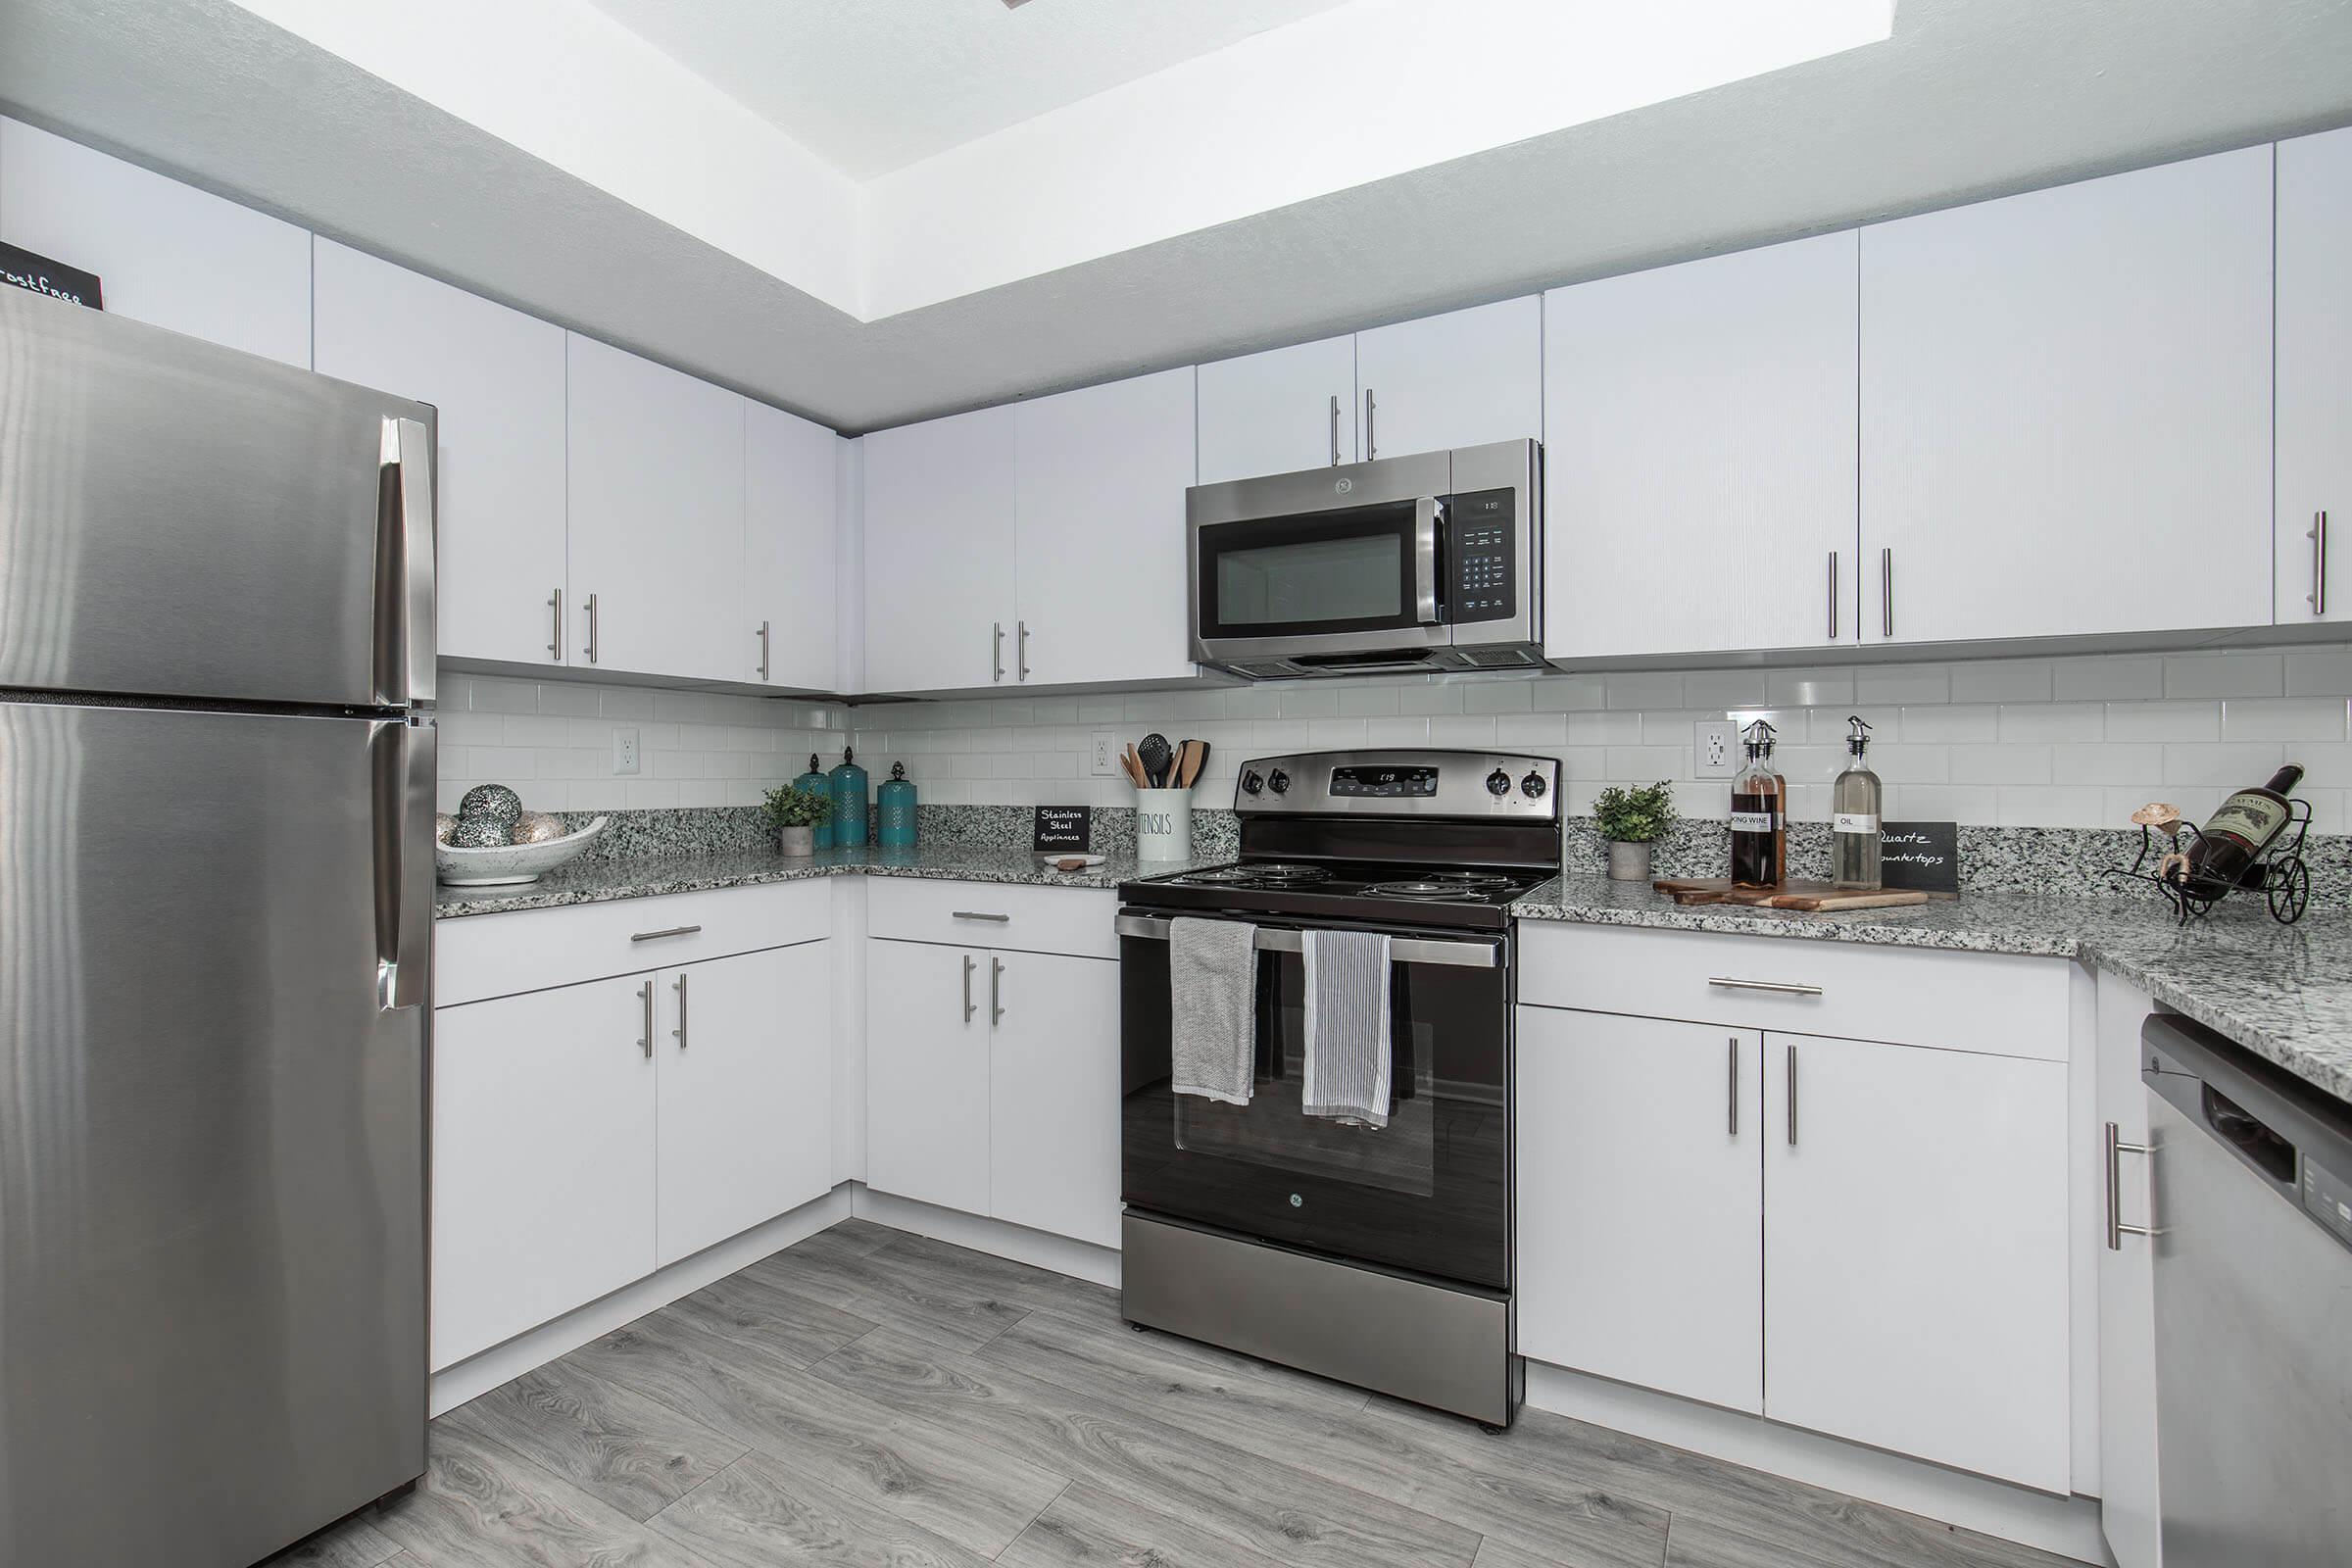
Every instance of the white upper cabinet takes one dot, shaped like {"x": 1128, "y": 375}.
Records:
{"x": 786, "y": 585}
{"x": 1100, "y": 535}
{"x": 1278, "y": 412}
{"x": 497, "y": 377}
{"x": 939, "y": 544}
{"x": 165, "y": 253}
{"x": 657, "y": 486}
{"x": 1460, "y": 380}
{"x": 2066, "y": 408}
{"x": 1699, "y": 438}
{"x": 2315, "y": 374}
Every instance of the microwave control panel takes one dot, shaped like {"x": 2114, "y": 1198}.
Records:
{"x": 1483, "y": 530}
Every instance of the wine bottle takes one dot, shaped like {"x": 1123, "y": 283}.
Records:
{"x": 1760, "y": 815}
{"x": 2246, "y": 825}
{"x": 1854, "y": 805}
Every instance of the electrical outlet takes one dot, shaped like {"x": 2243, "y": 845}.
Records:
{"x": 624, "y": 750}
{"x": 1105, "y": 754}
{"x": 1717, "y": 748}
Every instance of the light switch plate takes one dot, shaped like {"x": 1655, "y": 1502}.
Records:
{"x": 1715, "y": 749}
{"x": 624, "y": 750}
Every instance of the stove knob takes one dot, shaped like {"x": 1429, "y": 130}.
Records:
{"x": 1279, "y": 781}
{"x": 1498, "y": 782}
{"x": 1251, "y": 783}
{"x": 1532, "y": 786}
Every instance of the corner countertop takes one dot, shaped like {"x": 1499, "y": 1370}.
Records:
{"x": 2282, "y": 992}
{"x": 597, "y": 881}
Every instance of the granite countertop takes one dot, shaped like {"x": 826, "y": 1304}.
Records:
{"x": 2282, "y": 992}
{"x": 597, "y": 881}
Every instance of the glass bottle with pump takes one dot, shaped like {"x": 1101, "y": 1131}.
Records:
{"x": 1760, "y": 815}
{"x": 1854, "y": 803}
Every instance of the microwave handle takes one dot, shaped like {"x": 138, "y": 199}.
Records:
{"x": 1429, "y": 517}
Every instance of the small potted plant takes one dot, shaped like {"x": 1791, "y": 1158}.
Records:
{"x": 795, "y": 813}
{"x": 1632, "y": 820}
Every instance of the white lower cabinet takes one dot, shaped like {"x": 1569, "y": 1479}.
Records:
{"x": 1641, "y": 1201}
{"x": 1915, "y": 1252}
{"x": 991, "y": 1084}
{"x": 2128, "y": 1433}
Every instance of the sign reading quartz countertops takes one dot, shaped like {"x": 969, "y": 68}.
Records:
{"x": 22, "y": 268}
{"x": 1921, "y": 856}
{"x": 1064, "y": 828}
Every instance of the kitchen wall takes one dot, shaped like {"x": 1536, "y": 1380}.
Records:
{"x": 2075, "y": 741}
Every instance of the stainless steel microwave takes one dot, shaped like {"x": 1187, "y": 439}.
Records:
{"x": 1427, "y": 562}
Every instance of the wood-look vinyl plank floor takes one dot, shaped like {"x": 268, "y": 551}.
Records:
{"x": 871, "y": 1398}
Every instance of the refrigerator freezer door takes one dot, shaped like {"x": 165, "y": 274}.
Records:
{"x": 212, "y": 1132}
{"x": 181, "y": 520}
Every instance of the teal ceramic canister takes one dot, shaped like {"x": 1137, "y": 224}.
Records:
{"x": 895, "y": 801}
{"x": 848, "y": 783}
{"x": 815, "y": 782}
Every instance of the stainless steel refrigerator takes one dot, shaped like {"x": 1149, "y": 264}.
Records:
{"x": 216, "y": 886}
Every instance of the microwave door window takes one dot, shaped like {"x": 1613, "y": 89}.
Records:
{"x": 1314, "y": 584}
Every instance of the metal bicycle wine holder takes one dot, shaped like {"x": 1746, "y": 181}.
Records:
{"x": 2279, "y": 873}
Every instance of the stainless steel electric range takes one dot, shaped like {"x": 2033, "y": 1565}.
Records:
{"x": 1380, "y": 1257}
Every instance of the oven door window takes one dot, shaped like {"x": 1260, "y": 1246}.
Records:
{"x": 1426, "y": 1193}
{"x": 1319, "y": 573}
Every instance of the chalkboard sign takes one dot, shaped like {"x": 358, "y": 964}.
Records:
{"x": 1064, "y": 829}
{"x": 22, "y": 268}
{"x": 1921, "y": 856}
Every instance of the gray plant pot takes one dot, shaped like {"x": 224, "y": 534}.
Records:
{"x": 795, "y": 841}
{"x": 1629, "y": 862}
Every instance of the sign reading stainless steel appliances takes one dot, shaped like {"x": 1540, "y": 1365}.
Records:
{"x": 1063, "y": 827}
{"x": 22, "y": 268}
{"x": 1920, "y": 856}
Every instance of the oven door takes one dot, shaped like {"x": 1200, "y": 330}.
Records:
{"x": 1343, "y": 564}
{"x": 1429, "y": 1194}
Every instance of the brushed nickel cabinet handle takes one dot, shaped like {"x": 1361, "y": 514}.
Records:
{"x": 555, "y": 636}
{"x": 969, "y": 965}
{"x": 996, "y": 991}
{"x": 592, "y": 629}
{"x": 666, "y": 931}
{"x": 680, "y": 1031}
{"x": 1020, "y": 649}
{"x": 1371, "y": 449}
{"x": 1732, "y": 1053}
{"x": 2117, "y": 1230}
{"x": 645, "y": 994}
{"x": 995, "y": 654}
{"x": 1781, "y": 987}
{"x": 1886, "y": 592}
{"x": 1792, "y": 1097}
{"x": 977, "y": 914}
{"x": 2319, "y": 564}
{"x": 1335, "y": 429}
{"x": 763, "y": 648}
{"x": 1833, "y": 596}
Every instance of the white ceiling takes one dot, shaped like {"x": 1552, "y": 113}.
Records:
{"x": 870, "y": 86}
{"x": 1969, "y": 98}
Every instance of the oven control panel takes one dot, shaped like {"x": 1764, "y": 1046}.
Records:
{"x": 1384, "y": 781}
{"x": 1481, "y": 534}
{"x": 1401, "y": 783}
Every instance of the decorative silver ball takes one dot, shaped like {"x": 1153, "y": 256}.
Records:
{"x": 480, "y": 833}
{"x": 538, "y": 827}
{"x": 443, "y": 826}
{"x": 493, "y": 803}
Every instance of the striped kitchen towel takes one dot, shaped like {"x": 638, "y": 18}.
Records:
{"x": 1212, "y": 1002}
{"x": 1347, "y": 1026}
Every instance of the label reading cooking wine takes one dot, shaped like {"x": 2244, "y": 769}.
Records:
{"x": 2249, "y": 816}
{"x": 1752, "y": 821}
{"x": 1855, "y": 822}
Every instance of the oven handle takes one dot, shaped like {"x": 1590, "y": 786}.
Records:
{"x": 1402, "y": 950}
{"x": 1427, "y": 518}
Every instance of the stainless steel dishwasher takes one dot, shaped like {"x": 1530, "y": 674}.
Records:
{"x": 2253, "y": 1216}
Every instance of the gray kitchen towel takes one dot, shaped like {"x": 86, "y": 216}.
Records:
{"x": 1212, "y": 1003}
{"x": 1347, "y": 1026}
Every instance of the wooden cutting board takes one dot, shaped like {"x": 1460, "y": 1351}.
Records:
{"x": 1810, "y": 897}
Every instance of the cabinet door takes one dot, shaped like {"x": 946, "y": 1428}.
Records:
{"x": 1053, "y": 1094}
{"x": 939, "y": 544}
{"x": 1915, "y": 1252}
{"x": 1460, "y": 380}
{"x": 787, "y": 584}
{"x": 497, "y": 377}
{"x": 1699, "y": 430}
{"x": 926, "y": 1073}
{"x": 657, "y": 476}
{"x": 1101, "y": 554}
{"x": 2314, "y": 375}
{"x": 2127, "y": 1487}
{"x": 1640, "y": 1191}
{"x": 543, "y": 1159}
{"x": 2066, "y": 408}
{"x": 1278, "y": 412}
{"x": 165, "y": 253}
{"x": 746, "y": 1092}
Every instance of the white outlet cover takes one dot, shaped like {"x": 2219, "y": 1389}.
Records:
{"x": 1104, "y": 752}
{"x": 624, "y": 750}
{"x": 1715, "y": 749}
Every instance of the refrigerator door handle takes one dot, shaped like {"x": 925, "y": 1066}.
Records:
{"x": 401, "y": 769}
{"x": 403, "y": 566}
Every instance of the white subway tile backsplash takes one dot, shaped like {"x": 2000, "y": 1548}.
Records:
{"x": 2053, "y": 721}
{"x": 1396, "y": 731}
{"x": 473, "y": 729}
{"x": 1728, "y": 688}
{"x": 1810, "y": 688}
{"x": 626, "y": 702}
{"x": 2283, "y": 719}
{"x": 537, "y": 729}
{"x": 1568, "y": 694}
{"x": 1645, "y": 689}
{"x": 1901, "y": 685}
{"x": 2234, "y": 764}
{"x": 1531, "y": 731}
{"x": 569, "y": 700}
{"x": 1497, "y": 697}
{"x": 2003, "y": 680}
{"x": 2225, "y": 675}
{"x": 1908, "y": 763}
{"x": 2001, "y": 765}
{"x": 1309, "y": 702}
{"x": 2103, "y": 762}
{"x": 494, "y": 696}
{"x": 1336, "y": 734}
{"x": 1367, "y": 702}
{"x": 2164, "y": 721}
{"x": 1446, "y": 729}
{"x": 1429, "y": 697}
{"x": 2319, "y": 672}
{"x": 1605, "y": 729}
{"x": 2043, "y": 805}
{"x": 2113, "y": 677}
{"x": 1955, "y": 724}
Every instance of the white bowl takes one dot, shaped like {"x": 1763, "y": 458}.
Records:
{"x": 508, "y": 864}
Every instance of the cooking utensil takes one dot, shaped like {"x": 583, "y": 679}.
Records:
{"x": 1133, "y": 767}
{"x": 1190, "y": 757}
{"x": 1156, "y": 754}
